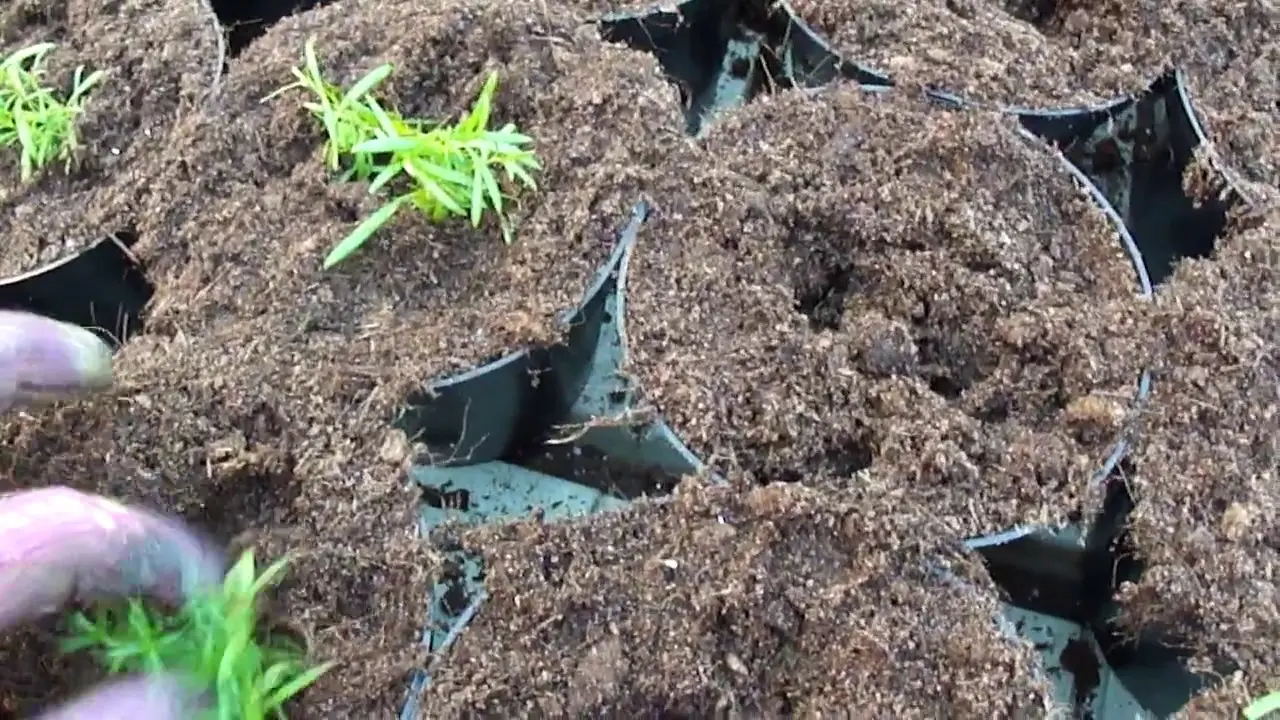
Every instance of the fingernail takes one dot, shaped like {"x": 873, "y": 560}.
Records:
{"x": 92, "y": 357}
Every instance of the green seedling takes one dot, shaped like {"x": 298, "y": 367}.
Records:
{"x": 346, "y": 116}
{"x": 450, "y": 170}
{"x": 213, "y": 640}
{"x": 31, "y": 116}
{"x": 1263, "y": 706}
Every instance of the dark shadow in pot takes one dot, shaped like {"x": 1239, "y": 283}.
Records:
{"x": 721, "y": 54}
{"x": 1136, "y": 150}
{"x": 1061, "y": 589}
{"x": 483, "y": 414}
{"x": 103, "y": 288}
{"x": 244, "y": 21}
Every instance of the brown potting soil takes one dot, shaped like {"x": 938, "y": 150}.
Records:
{"x": 847, "y": 281}
{"x": 1037, "y": 54}
{"x": 1205, "y": 469}
{"x": 258, "y": 402}
{"x": 1240, "y": 107}
{"x": 907, "y": 296}
{"x": 736, "y": 601}
{"x": 161, "y": 57}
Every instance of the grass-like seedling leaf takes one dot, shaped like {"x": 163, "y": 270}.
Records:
{"x": 213, "y": 641}
{"x": 449, "y": 170}
{"x": 1263, "y": 706}
{"x": 32, "y": 117}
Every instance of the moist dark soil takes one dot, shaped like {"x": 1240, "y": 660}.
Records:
{"x": 736, "y": 602}
{"x": 1052, "y": 54}
{"x": 1205, "y": 468}
{"x": 161, "y": 59}
{"x": 847, "y": 281}
{"x": 260, "y": 398}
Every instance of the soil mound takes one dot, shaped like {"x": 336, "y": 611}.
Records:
{"x": 1205, "y": 526}
{"x": 733, "y": 602}
{"x": 1038, "y": 54}
{"x": 844, "y": 281}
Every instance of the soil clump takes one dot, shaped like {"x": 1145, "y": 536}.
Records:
{"x": 161, "y": 60}
{"x": 258, "y": 402}
{"x": 846, "y": 281}
{"x": 1205, "y": 468}
{"x": 736, "y": 601}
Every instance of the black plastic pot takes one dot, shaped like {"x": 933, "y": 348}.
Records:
{"x": 102, "y": 288}
{"x": 582, "y": 398}
{"x": 723, "y": 54}
{"x": 1135, "y": 150}
{"x": 483, "y": 414}
{"x": 1061, "y": 591}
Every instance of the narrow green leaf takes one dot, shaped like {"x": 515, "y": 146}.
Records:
{"x": 386, "y": 175}
{"x": 439, "y": 172}
{"x": 491, "y": 186}
{"x": 445, "y": 199}
{"x": 366, "y": 84}
{"x": 1263, "y": 706}
{"x": 269, "y": 576}
{"x": 389, "y": 145}
{"x": 293, "y": 688}
{"x": 363, "y": 232}
{"x": 477, "y": 197}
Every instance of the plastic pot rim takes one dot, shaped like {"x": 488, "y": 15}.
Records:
{"x": 71, "y": 257}
{"x": 595, "y": 287}
{"x": 1177, "y": 80}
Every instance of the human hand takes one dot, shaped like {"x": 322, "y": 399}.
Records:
{"x": 59, "y": 545}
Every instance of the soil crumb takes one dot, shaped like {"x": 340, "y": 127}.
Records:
{"x": 1206, "y": 463}
{"x": 844, "y": 281}
{"x": 724, "y": 602}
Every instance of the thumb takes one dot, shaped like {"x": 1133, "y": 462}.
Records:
{"x": 157, "y": 697}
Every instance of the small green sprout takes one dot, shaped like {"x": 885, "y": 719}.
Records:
{"x": 31, "y": 116}
{"x": 1263, "y": 706}
{"x": 450, "y": 168}
{"x": 212, "y": 641}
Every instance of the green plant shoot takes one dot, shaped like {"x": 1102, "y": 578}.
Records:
{"x": 213, "y": 640}
{"x": 1263, "y": 706}
{"x": 450, "y": 170}
{"x": 32, "y": 117}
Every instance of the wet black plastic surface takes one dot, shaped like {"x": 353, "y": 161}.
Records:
{"x": 491, "y": 411}
{"x": 720, "y": 54}
{"x": 1136, "y": 151}
{"x": 103, "y": 289}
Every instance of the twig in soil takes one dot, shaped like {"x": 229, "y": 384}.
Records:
{"x": 630, "y": 417}
{"x": 428, "y": 459}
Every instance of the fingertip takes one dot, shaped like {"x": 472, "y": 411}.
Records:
{"x": 155, "y": 697}
{"x": 43, "y": 355}
{"x": 92, "y": 357}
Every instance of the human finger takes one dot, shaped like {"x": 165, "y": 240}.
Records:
{"x": 160, "y": 697}
{"x": 41, "y": 357}
{"x": 58, "y": 545}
